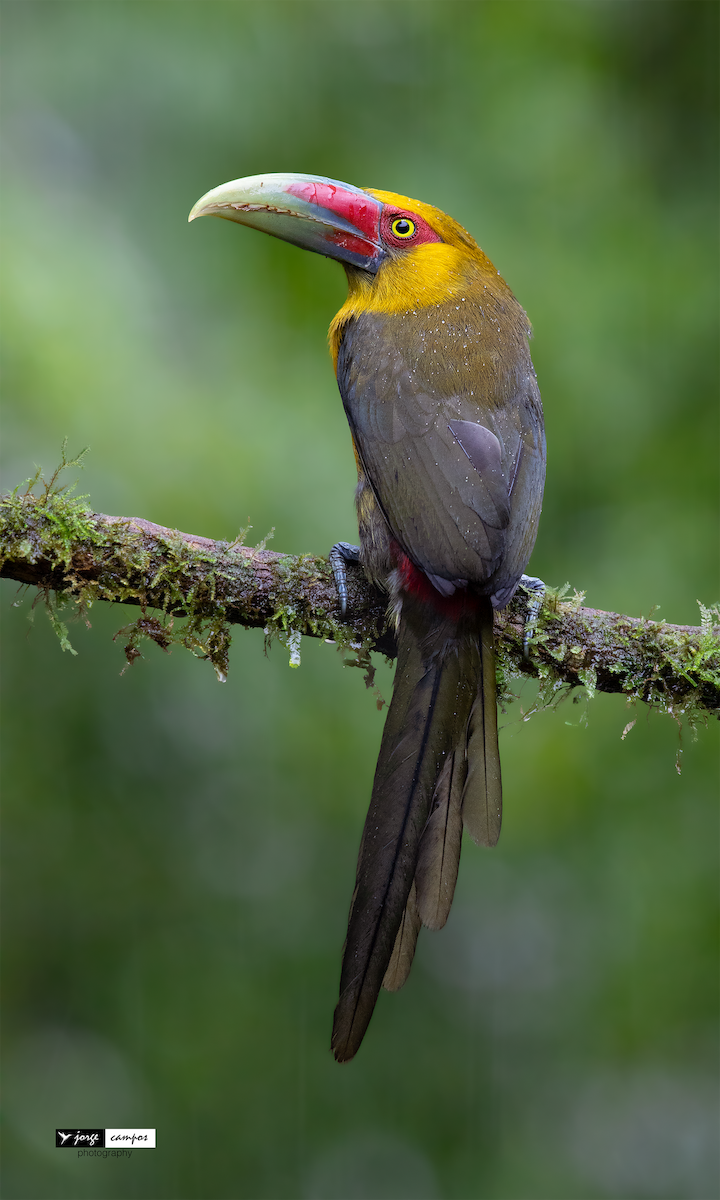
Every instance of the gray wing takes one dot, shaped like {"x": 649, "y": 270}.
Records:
{"x": 445, "y": 470}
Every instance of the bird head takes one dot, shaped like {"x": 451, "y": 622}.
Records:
{"x": 398, "y": 253}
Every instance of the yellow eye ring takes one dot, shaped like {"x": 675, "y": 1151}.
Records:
{"x": 403, "y": 227}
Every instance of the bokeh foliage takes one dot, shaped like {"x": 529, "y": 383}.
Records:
{"x": 178, "y": 854}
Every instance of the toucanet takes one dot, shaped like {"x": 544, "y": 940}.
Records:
{"x": 434, "y": 370}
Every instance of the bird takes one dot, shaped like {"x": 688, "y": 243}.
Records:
{"x": 431, "y": 353}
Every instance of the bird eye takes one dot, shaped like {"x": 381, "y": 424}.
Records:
{"x": 402, "y": 227}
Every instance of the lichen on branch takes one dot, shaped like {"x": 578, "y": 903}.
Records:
{"x": 76, "y": 557}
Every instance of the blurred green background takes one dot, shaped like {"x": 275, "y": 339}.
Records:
{"x": 179, "y": 855}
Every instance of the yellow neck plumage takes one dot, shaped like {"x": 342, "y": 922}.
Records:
{"x": 429, "y": 275}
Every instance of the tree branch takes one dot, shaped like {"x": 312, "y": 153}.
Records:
{"x": 73, "y": 555}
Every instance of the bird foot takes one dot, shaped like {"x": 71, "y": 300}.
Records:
{"x": 536, "y": 591}
{"x": 342, "y": 553}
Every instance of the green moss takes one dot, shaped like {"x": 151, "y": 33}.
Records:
{"x": 673, "y": 670}
{"x": 186, "y": 592}
{"x": 43, "y": 522}
{"x": 188, "y": 588}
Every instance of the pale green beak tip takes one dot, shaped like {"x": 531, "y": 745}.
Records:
{"x": 310, "y": 211}
{"x": 204, "y": 207}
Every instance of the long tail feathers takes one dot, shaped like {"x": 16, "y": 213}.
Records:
{"x": 424, "y": 782}
{"x": 403, "y": 953}
{"x": 439, "y": 856}
{"x": 482, "y": 797}
{"x": 433, "y": 887}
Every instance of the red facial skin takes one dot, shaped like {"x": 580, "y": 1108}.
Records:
{"x": 423, "y": 233}
{"x": 372, "y": 220}
{"x": 358, "y": 209}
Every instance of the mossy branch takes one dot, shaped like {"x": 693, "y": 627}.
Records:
{"x": 76, "y": 557}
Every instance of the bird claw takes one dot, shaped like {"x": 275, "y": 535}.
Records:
{"x": 536, "y": 591}
{"x": 342, "y": 553}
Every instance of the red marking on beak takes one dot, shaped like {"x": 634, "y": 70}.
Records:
{"x": 352, "y": 206}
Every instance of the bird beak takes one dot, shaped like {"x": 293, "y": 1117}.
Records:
{"x": 331, "y": 218}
